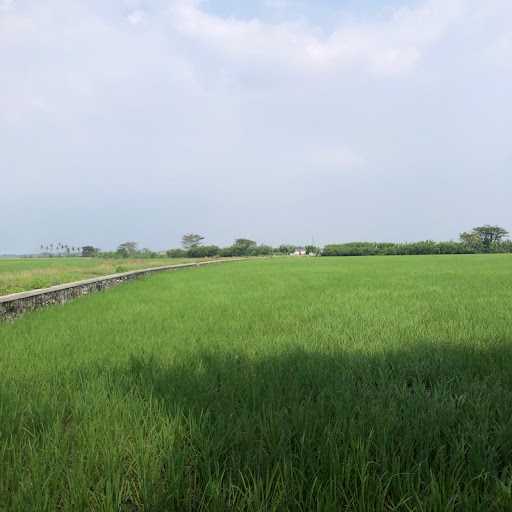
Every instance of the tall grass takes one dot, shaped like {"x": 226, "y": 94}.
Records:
{"x": 17, "y": 275}
{"x": 365, "y": 384}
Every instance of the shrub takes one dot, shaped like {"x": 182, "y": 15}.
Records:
{"x": 176, "y": 253}
{"x": 413, "y": 248}
{"x": 203, "y": 251}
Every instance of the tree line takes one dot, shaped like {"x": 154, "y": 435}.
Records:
{"x": 59, "y": 249}
{"x": 481, "y": 239}
{"x": 192, "y": 246}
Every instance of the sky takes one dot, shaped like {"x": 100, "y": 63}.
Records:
{"x": 283, "y": 121}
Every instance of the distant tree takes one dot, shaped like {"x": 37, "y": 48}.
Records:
{"x": 176, "y": 253}
{"x": 286, "y": 249}
{"x": 191, "y": 240}
{"x": 88, "y": 251}
{"x": 148, "y": 253}
{"x": 471, "y": 240}
{"x": 311, "y": 249}
{"x": 243, "y": 247}
{"x": 484, "y": 236}
{"x": 203, "y": 251}
{"x": 261, "y": 250}
{"x": 245, "y": 243}
{"x": 127, "y": 249}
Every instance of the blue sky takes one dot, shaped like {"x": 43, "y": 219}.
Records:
{"x": 145, "y": 119}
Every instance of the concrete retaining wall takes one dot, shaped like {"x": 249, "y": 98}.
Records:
{"x": 16, "y": 304}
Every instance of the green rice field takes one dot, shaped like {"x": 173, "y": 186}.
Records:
{"x": 286, "y": 384}
{"x": 18, "y": 275}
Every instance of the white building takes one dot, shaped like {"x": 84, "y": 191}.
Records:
{"x": 299, "y": 251}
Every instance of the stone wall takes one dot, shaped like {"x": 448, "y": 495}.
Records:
{"x": 16, "y": 304}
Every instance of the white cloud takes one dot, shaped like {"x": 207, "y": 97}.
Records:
{"x": 389, "y": 47}
{"x": 500, "y": 51}
{"x": 136, "y": 17}
{"x": 6, "y": 5}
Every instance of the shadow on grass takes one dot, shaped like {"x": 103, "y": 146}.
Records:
{"x": 424, "y": 428}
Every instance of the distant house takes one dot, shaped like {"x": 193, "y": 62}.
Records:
{"x": 299, "y": 251}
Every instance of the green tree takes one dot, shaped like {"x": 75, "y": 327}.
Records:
{"x": 191, "y": 240}
{"x": 147, "y": 253}
{"x": 88, "y": 251}
{"x": 286, "y": 249}
{"x": 262, "y": 250}
{"x": 176, "y": 253}
{"x": 203, "y": 251}
{"x": 243, "y": 247}
{"x": 127, "y": 249}
{"x": 245, "y": 243}
{"x": 484, "y": 236}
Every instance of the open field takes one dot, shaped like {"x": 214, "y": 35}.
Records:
{"x": 18, "y": 275}
{"x": 372, "y": 384}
